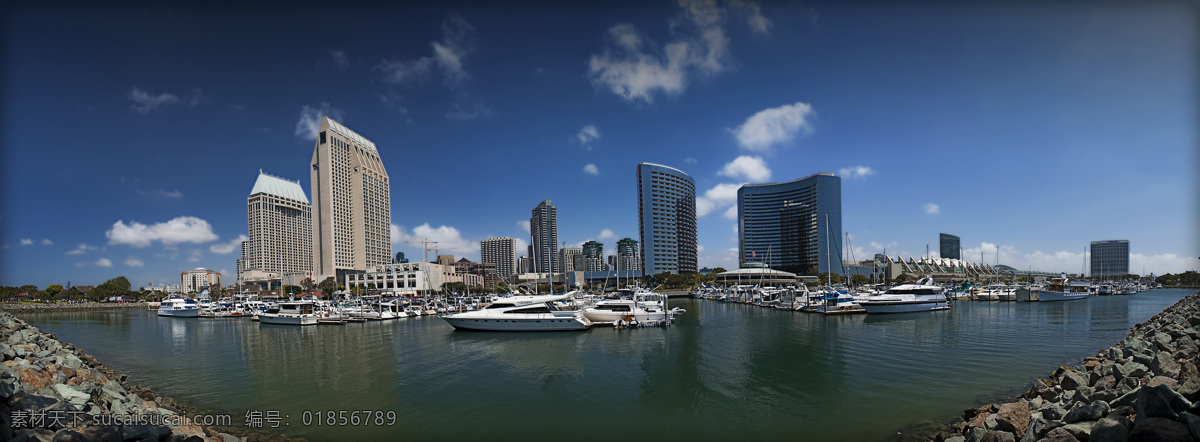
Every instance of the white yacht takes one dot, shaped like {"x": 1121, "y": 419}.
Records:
{"x": 920, "y": 297}
{"x": 521, "y": 313}
{"x": 631, "y": 306}
{"x": 179, "y": 306}
{"x": 291, "y": 313}
{"x": 1060, "y": 289}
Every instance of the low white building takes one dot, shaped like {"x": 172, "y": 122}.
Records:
{"x": 195, "y": 281}
{"x": 410, "y": 278}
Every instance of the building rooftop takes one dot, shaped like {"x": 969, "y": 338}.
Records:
{"x": 273, "y": 185}
{"x": 350, "y": 135}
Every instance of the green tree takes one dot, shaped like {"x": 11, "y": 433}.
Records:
{"x": 328, "y": 286}
{"x": 831, "y": 278}
{"x": 53, "y": 289}
{"x": 29, "y": 289}
{"x": 308, "y": 285}
{"x": 455, "y": 287}
{"x": 857, "y": 279}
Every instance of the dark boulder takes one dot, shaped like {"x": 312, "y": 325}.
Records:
{"x": 1157, "y": 429}
{"x": 1114, "y": 428}
{"x": 1087, "y": 412}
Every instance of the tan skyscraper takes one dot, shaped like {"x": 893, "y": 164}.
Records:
{"x": 352, "y": 211}
{"x": 279, "y": 220}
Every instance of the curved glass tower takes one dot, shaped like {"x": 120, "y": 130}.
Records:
{"x": 666, "y": 219}
{"x": 794, "y": 226}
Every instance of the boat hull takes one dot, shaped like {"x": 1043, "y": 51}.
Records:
{"x": 183, "y": 313}
{"x": 1045, "y": 296}
{"x": 904, "y": 306}
{"x": 288, "y": 319}
{"x": 548, "y": 323}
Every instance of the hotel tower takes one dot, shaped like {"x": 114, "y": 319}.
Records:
{"x": 279, "y": 221}
{"x": 351, "y": 204}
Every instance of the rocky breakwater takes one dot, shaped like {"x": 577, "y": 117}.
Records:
{"x": 51, "y": 391}
{"x": 1145, "y": 388}
{"x": 71, "y": 306}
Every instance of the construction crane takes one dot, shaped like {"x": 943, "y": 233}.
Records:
{"x": 425, "y": 243}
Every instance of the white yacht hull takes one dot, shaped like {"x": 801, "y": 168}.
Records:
{"x": 181, "y": 313}
{"x": 546, "y": 322}
{"x": 904, "y": 306}
{"x": 1045, "y": 296}
{"x": 267, "y": 318}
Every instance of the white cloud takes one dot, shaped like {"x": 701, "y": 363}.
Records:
{"x": 932, "y": 208}
{"x": 81, "y": 249}
{"x": 524, "y": 225}
{"x": 773, "y": 126}
{"x": 144, "y": 102}
{"x": 754, "y": 17}
{"x": 732, "y": 212}
{"x": 449, "y": 239}
{"x": 690, "y": 160}
{"x": 26, "y": 242}
{"x": 724, "y": 258}
{"x": 134, "y": 262}
{"x": 607, "y": 234}
{"x": 47, "y": 242}
{"x": 522, "y": 246}
{"x": 195, "y": 255}
{"x": 587, "y": 135}
{"x": 1162, "y": 264}
{"x": 591, "y": 169}
{"x": 340, "y": 60}
{"x": 175, "y": 193}
{"x": 717, "y": 197}
{"x": 178, "y": 230}
{"x": 470, "y": 112}
{"x": 747, "y": 168}
{"x": 310, "y": 120}
{"x": 103, "y": 262}
{"x": 635, "y": 68}
{"x": 856, "y": 172}
{"x": 448, "y": 56}
{"x": 228, "y": 247}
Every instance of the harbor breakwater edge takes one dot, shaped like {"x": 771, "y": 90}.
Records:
{"x": 50, "y": 390}
{"x": 1144, "y": 388}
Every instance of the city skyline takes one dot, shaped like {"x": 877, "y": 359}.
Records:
{"x": 982, "y": 120}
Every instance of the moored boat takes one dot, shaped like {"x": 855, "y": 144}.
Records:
{"x": 179, "y": 307}
{"x": 1061, "y": 289}
{"x": 920, "y": 297}
{"x": 521, "y": 313}
{"x": 291, "y": 313}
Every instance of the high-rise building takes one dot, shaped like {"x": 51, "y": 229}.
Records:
{"x": 666, "y": 219}
{"x": 543, "y": 232}
{"x": 593, "y": 256}
{"x": 566, "y": 259}
{"x": 1110, "y": 257}
{"x": 524, "y": 265}
{"x": 627, "y": 255}
{"x": 279, "y": 223}
{"x": 400, "y": 259}
{"x": 351, "y": 203}
{"x": 794, "y": 226}
{"x": 502, "y": 252}
{"x": 951, "y": 247}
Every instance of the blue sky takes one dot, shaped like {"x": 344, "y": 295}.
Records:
{"x": 132, "y": 136}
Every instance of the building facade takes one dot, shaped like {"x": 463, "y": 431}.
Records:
{"x": 409, "y": 278}
{"x": 950, "y": 246}
{"x": 351, "y": 203}
{"x": 195, "y": 281}
{"x": 666, "y": 219}
{"x": 593, "y": 257}
{"x": 279, "y": 223}
{"x": 627, "y": 255}
{"x": 1110, "y": 257}
{"x": 502, "y": 252}
{"x": 794, "y": 226}
{"x": 566, "y": 259}
{"x": 543, "y": 232}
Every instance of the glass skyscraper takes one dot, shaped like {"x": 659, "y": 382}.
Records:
{"x": 795, "y": 226}
{"x": 1110, "y": 257}
{"x": 951, "y": 246}
{"x": 543, "y": 235}
{"x": 666, "y": 219}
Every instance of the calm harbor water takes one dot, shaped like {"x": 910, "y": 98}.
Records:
{"x": 724, "y": 371}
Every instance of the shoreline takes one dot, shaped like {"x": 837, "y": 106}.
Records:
{"x": 69, "y": 307}
{"x": 51, "y": 389}
{"x": 1145, "y": 387}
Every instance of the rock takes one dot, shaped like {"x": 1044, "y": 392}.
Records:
{"x": 33, "y": 402}
{"x": 1130, "y": 369}
{"x": 72, "y": 395}
{"x": 1072, "y": 380}
{"x": 1105, "y": 383}
{"x": 1163, "y": 342}
{"x": 1192, "y": 422}
{"x": 1053, "y": 411}
{"x": 1162, "y": 380}
{"x": 1080, "y": 430}
{"x": 975, "y": 434}
{"x": 65, "y": 435}
{"x": 33, "y": 434}
{"x": 1144, "y": 359}
{"x": 1158, "y": 429}
{"x": 998, "y": 436}
{"x": 1155, "y": 402}
{"x": 1106, "y": 396}
{"x": 143, "y": 432}
{"x": 1087, "y": 412}
{"x": 1113, "y": 428}
{"x": 948, "y": 439}
{"x": 226, "y": 437}
{"x": 1127, "y": 385}
{"x": 8, "y": 387}
{"x": 1013, "y": 417}
{"x": 1190, "y": 389}
{"x": 1058, "y": 435}
{"x": 1166, "y": 365}
{"x": 35, "y": 379}
{"x": 1036, "y": 403}
{"x": 1038, "y": 388}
